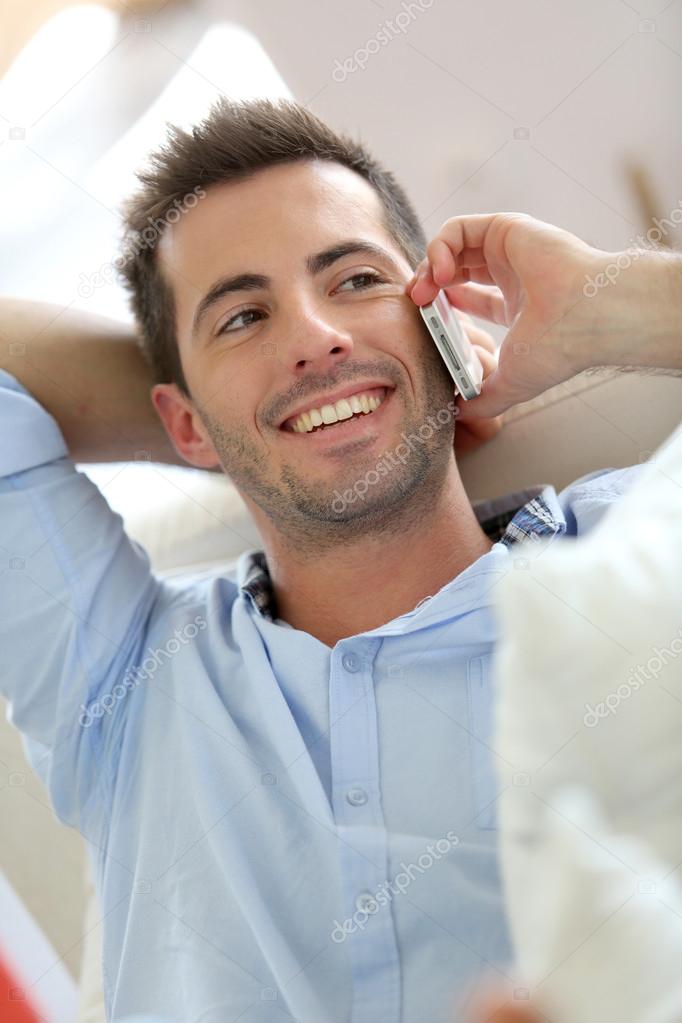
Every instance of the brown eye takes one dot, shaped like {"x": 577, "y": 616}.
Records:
{"x": 372, "y": 278}
{"x": 229, "y": 323}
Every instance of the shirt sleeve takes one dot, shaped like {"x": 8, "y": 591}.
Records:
{"x": 588, "y": 498}
{"x": 76, "y": 596}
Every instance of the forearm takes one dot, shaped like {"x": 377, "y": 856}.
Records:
{"x": 90, "y": 374}
{"x": 637, "y": 319}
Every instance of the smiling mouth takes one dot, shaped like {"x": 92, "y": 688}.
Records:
{"x": 326, "y": 417}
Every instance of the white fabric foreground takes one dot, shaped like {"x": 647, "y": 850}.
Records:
{"x": 588, "y": 725}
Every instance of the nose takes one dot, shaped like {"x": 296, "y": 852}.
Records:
{"x": 316, "y": 344}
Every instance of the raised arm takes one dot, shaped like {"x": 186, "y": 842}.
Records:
{"x": 89, "y": 373}
{"x": 568, "y": 306}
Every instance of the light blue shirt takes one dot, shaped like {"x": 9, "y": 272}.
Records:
{"x": 278, "y": 830}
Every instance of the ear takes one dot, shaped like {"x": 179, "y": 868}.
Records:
{"x": 184, "y": 426}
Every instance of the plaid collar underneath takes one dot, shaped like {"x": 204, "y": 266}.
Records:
{"x": 517, "y": 516}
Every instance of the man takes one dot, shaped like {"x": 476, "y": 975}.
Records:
{"x": 292, "y": 815}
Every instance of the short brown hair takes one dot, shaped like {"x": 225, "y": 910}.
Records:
{"x": 235, "y": 140}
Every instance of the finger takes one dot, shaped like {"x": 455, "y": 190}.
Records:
{"x": 465, "y": 274}
{"x": 487, "y": 359}
{"x": 457, "y": 236}
{"x": 425, "y": 289}
{"x": 478, "y": 336}
{"x": 495, "y": 398}
{"x": 446, "y": 270}
{"x": 477, "y": 274}
{"x": 421, "y": 295}
{"x": 442, "y": 261}
{"x": 469, "y": 436}
{"x": 467, "y": 258}
{"x": 485, "y": 302}
{"x": 476, "y": 232}
{"x": 474, "y": 241}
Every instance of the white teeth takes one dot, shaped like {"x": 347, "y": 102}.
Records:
{"x": 342, "y": 409}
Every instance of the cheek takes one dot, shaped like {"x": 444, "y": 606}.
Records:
{"x": 399, "y": 326}
{"x": 223, "y": 407}
{"x": 226, "y": 389}
{"x": 233, "y": 412}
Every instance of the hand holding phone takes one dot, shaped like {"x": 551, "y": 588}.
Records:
{"x": 455, "y": 348}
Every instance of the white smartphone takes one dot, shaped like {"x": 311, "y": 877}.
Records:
{"x": 456, "y": 349}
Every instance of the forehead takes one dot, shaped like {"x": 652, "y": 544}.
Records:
{"x": 261, "y": 223}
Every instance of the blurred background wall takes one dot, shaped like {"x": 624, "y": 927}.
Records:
{"x": 567, "y": 110}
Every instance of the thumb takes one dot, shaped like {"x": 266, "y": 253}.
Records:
{"x": 496, "y": 397}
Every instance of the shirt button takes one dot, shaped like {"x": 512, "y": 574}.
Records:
{"x": 357, "y": 797}
{"x": 366, "y": 903}
{"x": 351, "y": 662}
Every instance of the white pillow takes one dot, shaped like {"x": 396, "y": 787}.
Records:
{"x": 184, "y": 518}
{"x": 588, "y": 724}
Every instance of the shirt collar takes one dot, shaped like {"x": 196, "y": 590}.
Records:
{"x": 533, "y": 512}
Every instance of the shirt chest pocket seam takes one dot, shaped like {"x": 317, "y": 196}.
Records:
{"x": 484, "y": 786}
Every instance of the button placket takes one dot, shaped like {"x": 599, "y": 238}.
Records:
{"x": 363, "y": 852}
{"x": 351, "y": 662}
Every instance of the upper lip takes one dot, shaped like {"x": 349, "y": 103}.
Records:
{"x": 331, "y": 397}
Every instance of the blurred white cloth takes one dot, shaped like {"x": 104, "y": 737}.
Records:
{"x": 591, "y": 814}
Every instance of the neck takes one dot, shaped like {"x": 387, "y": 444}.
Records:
{"x": 356, "y": 587}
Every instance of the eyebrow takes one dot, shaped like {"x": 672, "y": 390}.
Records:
{"x": 315, "y": 264}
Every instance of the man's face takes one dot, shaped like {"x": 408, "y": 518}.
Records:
{"x": 297, "y": 333}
